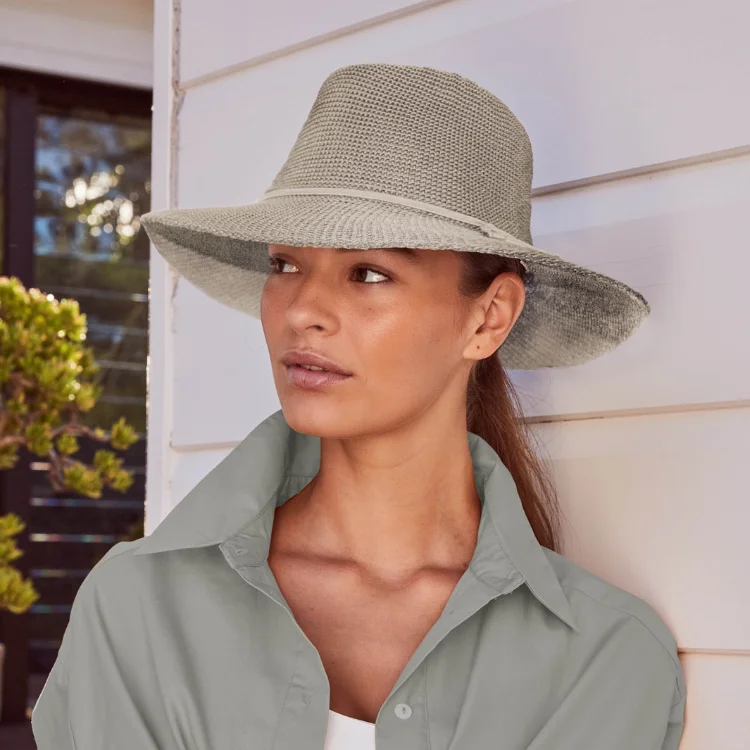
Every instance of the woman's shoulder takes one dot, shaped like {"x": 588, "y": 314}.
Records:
{"x": 117, "y": 569}
{"x": 111, "y": 583}
{"x": 128, "y": 599}
{"x": 114, "y": 569}
{"x": 588, "y": 591}
{"x": 123, "y": 578}
{"x": 601, "y": 607}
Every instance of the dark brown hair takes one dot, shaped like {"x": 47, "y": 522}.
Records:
{"x": 493, "y": 411}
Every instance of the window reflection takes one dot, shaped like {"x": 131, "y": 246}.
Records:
{"x": 92, "y": 186}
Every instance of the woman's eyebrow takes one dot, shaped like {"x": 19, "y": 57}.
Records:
{"x": 408, "y": 253}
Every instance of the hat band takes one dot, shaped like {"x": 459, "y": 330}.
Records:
{"x": 484, "y": 226}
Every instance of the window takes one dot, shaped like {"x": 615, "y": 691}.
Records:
{"x": 76, "y": 163}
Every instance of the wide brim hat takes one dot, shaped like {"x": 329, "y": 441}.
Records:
{"x": 406, "y": 156}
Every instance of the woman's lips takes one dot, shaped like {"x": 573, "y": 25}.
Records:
{"x": 304, "y": 378}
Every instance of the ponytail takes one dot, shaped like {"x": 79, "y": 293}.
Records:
{"x": 493, "y": 411}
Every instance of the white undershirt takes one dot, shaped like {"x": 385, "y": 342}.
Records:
{"x": 347, "y": 733}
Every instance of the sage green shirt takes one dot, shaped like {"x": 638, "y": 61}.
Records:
{"x": 182, "y": 640}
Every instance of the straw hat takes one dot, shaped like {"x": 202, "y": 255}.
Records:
{"x": 406, "y": 156}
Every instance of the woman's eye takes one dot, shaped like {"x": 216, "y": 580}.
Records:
{"x": 383, "y": 276}
{"x": 276, "y": 263}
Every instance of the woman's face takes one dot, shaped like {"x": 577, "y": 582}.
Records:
{"x": 392, "y": 318}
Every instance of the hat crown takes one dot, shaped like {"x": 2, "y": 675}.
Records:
{"x": 429, "y": 135}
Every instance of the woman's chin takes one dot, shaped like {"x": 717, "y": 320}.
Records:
{"x": 312, "y": 415}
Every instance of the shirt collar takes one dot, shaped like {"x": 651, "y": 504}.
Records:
{"x": 235, "y": 502}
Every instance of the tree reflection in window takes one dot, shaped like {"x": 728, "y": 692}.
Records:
{"x": 92, "y": 186}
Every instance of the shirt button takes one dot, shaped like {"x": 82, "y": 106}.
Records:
{"x": 403, "y": 711}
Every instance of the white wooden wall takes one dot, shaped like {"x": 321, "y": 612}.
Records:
{"x": 639, "y": 116}
{"x": 101, "y": 40}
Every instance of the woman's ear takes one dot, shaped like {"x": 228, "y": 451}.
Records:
{"x": 495, "y": 314}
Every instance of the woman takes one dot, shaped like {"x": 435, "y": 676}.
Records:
{"x": 377, "y": 560}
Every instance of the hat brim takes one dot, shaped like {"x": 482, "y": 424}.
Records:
{"x": 571, "y": 315}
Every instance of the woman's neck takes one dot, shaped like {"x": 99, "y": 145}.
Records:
{"x": 395, "y": 503}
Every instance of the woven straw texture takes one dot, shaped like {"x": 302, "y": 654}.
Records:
{"x": 423, "y": 134}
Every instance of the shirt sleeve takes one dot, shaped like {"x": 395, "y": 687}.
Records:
{"x": 100, "y": 692}
{"x": 676, "y": 721}
{"x": 50, "y": 722}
